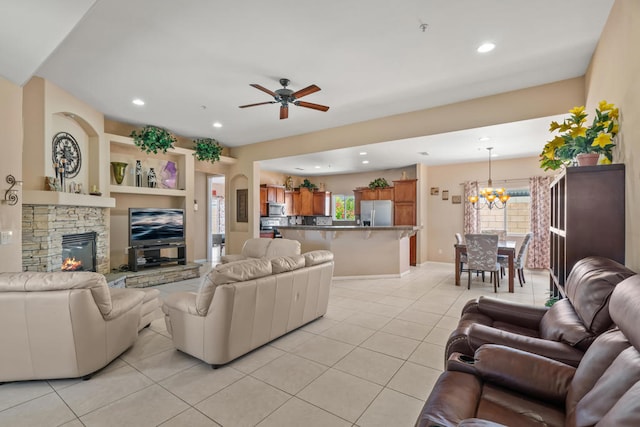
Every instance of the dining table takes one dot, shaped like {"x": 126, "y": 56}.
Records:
{"x": 507, "y": 247}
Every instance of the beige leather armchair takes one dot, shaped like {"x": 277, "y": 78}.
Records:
{"x": 63, "y": 324}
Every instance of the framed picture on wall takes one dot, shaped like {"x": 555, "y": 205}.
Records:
{"x": 242, "y": 205}
{"x": 445, "y": 194}
{"x": 456, "y": 200}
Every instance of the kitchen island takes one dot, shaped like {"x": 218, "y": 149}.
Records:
{"x": 373, "y": 252}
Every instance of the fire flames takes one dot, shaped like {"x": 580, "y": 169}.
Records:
{"x": 71, "y": 264}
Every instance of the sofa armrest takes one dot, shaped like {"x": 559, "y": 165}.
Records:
{"x": 225, "y": 259}
{"x": 184, "y": 302}
{"x": 123, "y": 301}
{"x": 523, "y": 315}
{"x": 527, "y": 373}
{"x": 479, "y": 335}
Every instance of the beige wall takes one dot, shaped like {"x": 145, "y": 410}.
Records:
{"x": 11, "y": 164}
{"x": 614, "y": 75}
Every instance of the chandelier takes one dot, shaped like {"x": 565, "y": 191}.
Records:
{"x": 491, "y": 197}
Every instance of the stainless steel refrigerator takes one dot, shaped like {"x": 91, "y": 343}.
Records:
{"x": 376, "y": 212}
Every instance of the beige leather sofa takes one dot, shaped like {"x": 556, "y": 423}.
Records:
{"x": 64, "y": 324}
{"x": 264, "y": 248}
{"x": 245, "y": 304}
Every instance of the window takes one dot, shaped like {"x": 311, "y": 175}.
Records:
{"x": 515, "y": 218}
{"x": 343, "y": 208}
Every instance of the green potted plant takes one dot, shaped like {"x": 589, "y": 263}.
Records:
{"x": 309, "y": 185}
{"x": 207, "y": 150}
{"x": 575, "y": 140}
{"x": 378, "y": 183}
{"x": 152, "y": 139}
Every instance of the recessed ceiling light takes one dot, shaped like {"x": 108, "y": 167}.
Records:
{"x": 365, "y": 162}
{"x": 138, "y": 101}
{"x": 217, "y": 125}
{"x": 363, "y": 153}
{"x": 486, "y": 47}
{"x": 317, "y": 167}
{"x": 484, "y": 139}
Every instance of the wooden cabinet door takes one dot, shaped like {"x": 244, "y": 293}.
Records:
{"x": 385, "y": 193}
{"x": 306, "y": 202}
{"x": 297, "y": 203}
{"x": 288, "y": 203}
{"x": 368, "y": 194}
{"x": 263, "y": 201}
{"x": 280, "y": 195}
{"x": 322, "y": 203}
{"x": 405, "y": 190}
{"x": 271, "y": 194}
{"x": 404, "y": 213}
{"x": 357, "y": 196}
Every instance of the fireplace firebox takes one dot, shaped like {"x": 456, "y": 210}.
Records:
{"x": 79, "y": 252}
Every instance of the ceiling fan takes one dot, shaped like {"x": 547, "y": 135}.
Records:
{"x": 286, "y": 96}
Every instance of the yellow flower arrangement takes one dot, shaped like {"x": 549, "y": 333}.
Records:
{"x": 575, "y": 138}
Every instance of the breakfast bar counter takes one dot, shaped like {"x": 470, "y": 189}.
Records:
{"x": 358, "y": 251}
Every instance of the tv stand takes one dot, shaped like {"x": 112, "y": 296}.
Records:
{"x": 153, "y": 258}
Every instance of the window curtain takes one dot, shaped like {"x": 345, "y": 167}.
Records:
{"x": 471, "y": 217}
{"x": 539, "y": 251}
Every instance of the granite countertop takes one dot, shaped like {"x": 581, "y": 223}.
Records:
{"x": 350, "y": 227}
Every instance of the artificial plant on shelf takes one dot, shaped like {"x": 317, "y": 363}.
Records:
{"x": 378, "y": 183}
{"x": 575, "y": 138}
{"x": 207, "y": 150}
{"x": 309, "y": 185}
{"x": 152, "y": 139}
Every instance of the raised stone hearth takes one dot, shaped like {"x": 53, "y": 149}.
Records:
{"x": 44, "y": 225}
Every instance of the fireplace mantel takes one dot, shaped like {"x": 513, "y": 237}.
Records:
{"x": 59, "y": 198}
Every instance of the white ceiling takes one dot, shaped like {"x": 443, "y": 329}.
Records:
{"x": 192, "y": 62}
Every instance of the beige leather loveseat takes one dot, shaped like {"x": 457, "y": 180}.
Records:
{"x": 64, "y": 324}
{"x": 245, "y": 304}
{"x": 264, "y": 248}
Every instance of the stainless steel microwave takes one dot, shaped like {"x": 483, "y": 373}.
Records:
{"x": 277, "y": 209}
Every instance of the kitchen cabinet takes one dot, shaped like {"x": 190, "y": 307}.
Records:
{"x": 270, "y": 194}
{"x": 263, "y": 201}
{"x": 306, "y": 202}
{"x": 366, "y": 193}
{"x": 322, "y": 203}
{"x": 404, "y": 210}
{"x": 583, "y": 199}
{"x": 292, "y": 202}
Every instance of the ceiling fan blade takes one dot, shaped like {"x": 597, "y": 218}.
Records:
{"x": 264, "y": 89}
{"x": 312, "y": 105}
{"x": 259, "y": 103}
{"x": 284, "y": 112}
{"x": 306, "y": 91}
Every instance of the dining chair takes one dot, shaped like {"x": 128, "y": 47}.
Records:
{"x": 482, "y": 255}
{"x": 502, "y": 234}
{"x": 518, "y": 262}
{"x": 463, "y": 255}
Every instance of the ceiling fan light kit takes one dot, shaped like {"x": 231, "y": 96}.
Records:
{"x": 286, "y": 96}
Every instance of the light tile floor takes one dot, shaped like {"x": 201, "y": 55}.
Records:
{"x": 370, "y": 361}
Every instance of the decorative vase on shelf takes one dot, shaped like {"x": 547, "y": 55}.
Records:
{"x": 119, "y": 169}
{"x": 588, "y": 159}
{"x": 151, "y": 179}
{"x": 138, "y": 173}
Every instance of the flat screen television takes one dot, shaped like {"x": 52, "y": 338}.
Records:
{"x": 155, "y": 226}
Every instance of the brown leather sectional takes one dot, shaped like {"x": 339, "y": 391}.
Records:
{"x": 501, "y": 385}
{"x": 563, "y": 332}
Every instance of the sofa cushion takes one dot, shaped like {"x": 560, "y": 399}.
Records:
{"x": 283, "y": 264}
{"x": 282, "y": 247}
{"x": 317, "y": 257}
{"x": 238, "y": 271}
{"x": 255, "y": 248}
{"x": 561, "y": 323}
{"x": 589, "y": 287}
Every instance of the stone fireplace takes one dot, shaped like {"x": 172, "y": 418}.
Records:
{"x": 43, "y": 228}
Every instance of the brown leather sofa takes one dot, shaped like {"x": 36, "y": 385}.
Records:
{"x": 563, "y": 332}
{"x": 64, "y": 324}
{"x": 506, "y": 386}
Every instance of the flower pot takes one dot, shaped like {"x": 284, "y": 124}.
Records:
{"x": 587, "y": 159}
{"x": 118, "y": 171}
